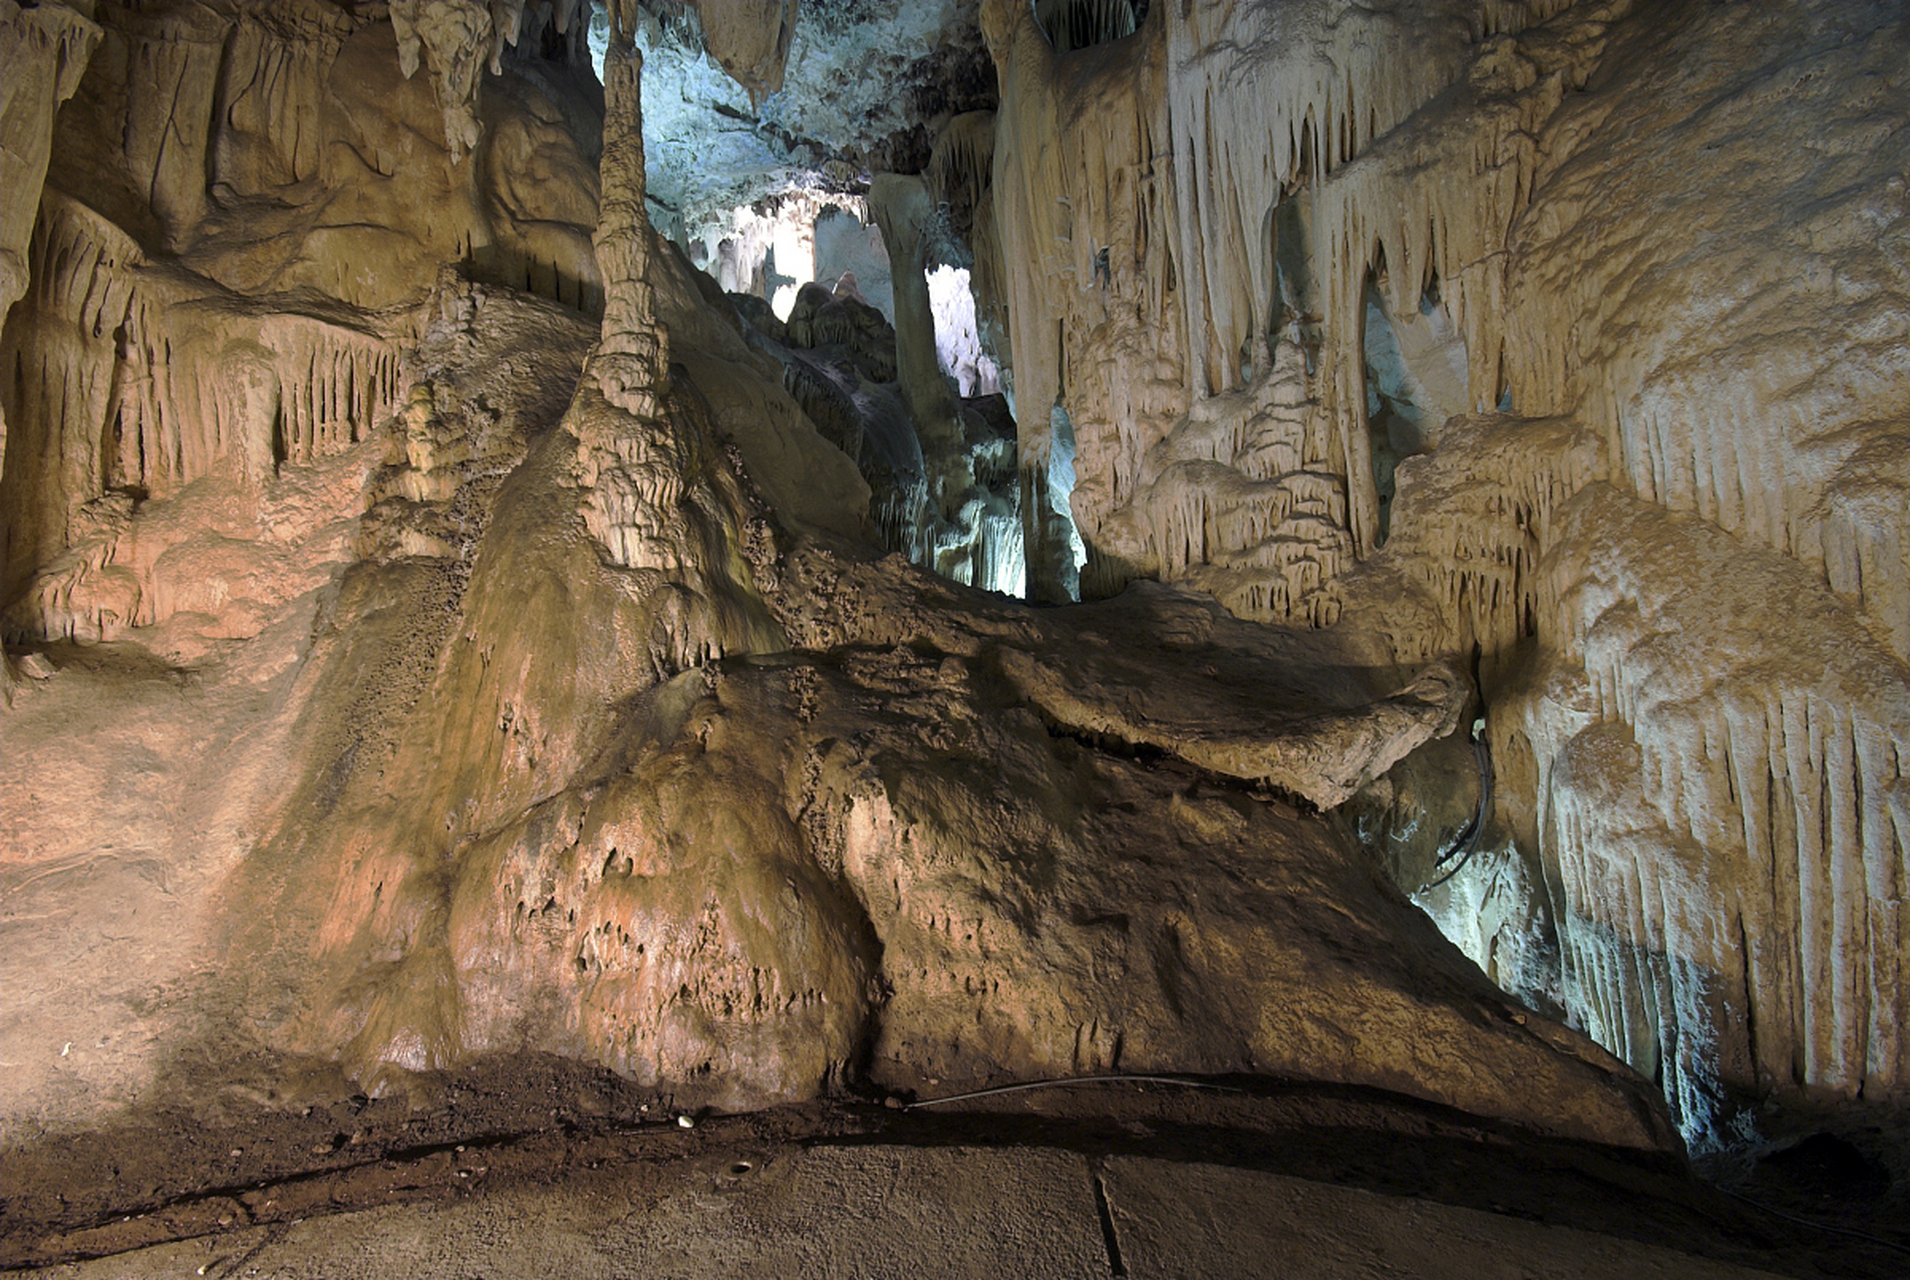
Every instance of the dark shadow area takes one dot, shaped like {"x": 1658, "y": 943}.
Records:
{"x": 539, "y": 1120}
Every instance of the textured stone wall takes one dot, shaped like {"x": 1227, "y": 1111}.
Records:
{"x": 1669, "y": 512}
{"x": 497, "y": 660}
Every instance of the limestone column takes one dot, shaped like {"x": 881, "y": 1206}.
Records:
{"x": 901, "y": 207}
{"x": 44, "y": 51}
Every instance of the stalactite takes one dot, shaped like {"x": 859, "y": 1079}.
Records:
{"x": 149, "y": 380}
{"x": 750, "y": 39}
{"x": 1266, "y": 112}
{"x": 1233, "y": 162}
{"x": 1474, "y": 517}
{"x": 1763, "y": 445}
{"x": 457, "y": 39}
{"x": 1077, "y": 24}
{"x": 1780, "y": 782}
{"x": 1329, "y": 114}
{"x": 1647, "y": 967}
{"x": 1076, "y": 186}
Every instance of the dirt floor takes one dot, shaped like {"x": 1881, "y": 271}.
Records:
{"x": 246, "y": 1171}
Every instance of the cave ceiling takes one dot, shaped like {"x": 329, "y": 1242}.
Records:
{"x": 865, "y": 87}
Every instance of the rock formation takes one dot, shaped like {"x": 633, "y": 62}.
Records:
{"x": 1538, "y": 229}
{"x": 444, "y": 626}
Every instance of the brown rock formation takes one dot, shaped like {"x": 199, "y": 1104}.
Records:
{"x": 446, "y": 633}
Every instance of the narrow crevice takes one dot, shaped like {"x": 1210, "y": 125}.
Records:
{"x": 1109, "y": 1236}
{"x": 1150, "y": 755}
{"x": 1105, "y": 743}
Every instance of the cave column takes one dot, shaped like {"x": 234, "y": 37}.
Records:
{"x": 44, "y": 50}
{"x": 902, "y": 209}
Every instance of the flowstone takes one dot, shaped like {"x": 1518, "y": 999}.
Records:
{"x": 446, "y": 629}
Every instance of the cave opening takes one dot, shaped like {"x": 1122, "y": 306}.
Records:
{"x": 1415, "y": 373}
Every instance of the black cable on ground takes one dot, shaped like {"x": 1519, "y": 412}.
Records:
{"x": 1852, "y": 1232}
{"x": 1061, "y": 1081}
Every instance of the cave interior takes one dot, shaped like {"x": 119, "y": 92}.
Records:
{"x": 1229, "y": 589}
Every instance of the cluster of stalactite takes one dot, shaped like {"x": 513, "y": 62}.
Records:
{"x": 134, "y": 381}
{"x": 1248, "y": 182}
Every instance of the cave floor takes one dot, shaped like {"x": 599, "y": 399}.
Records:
{"x": 1125, "y": 1180}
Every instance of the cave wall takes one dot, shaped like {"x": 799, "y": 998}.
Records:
{"x": 227, "y": 285}
{"x": 534, "y": 689}
{"x": 543, "y": 692}
{"x": 1665, "y": 497}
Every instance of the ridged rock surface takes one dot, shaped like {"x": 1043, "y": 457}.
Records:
{"x": 442, "y": 630}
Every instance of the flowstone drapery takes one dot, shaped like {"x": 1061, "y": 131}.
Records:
{"x": 1422, "y": 288}
{"x": 445, "y": 628}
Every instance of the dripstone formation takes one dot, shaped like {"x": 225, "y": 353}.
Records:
{"x": 1457, "y": 455}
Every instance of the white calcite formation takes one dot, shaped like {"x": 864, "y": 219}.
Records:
{"x": 1638, "y": 309}
{"x": 443, "y": 625}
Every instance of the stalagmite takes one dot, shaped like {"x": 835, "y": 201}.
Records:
{"x": 1400, "y": 605}
{"x": 633, "y": 466}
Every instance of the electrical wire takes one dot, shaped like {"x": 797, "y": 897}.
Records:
{"x": 1852, "y": 1232}
{"x": 1063, "y": 1081}
{"x": 1468, "y": 842}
